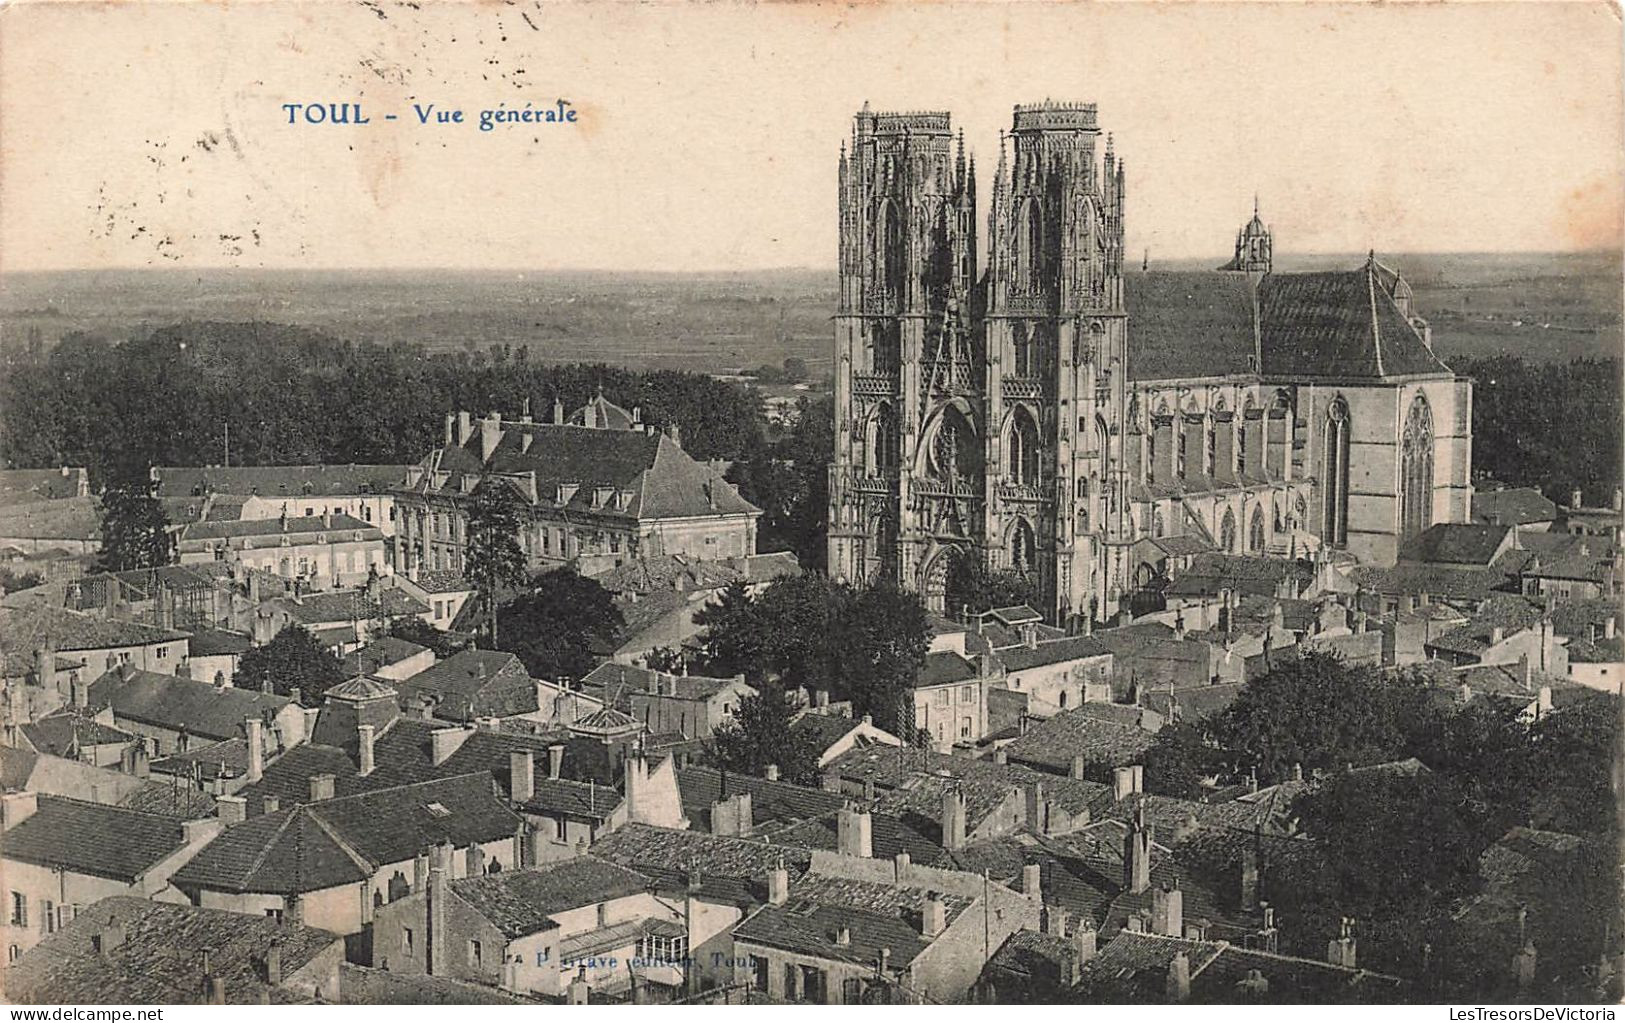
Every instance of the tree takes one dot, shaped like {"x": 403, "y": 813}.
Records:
{"x": 562, "y": 626}
{"x": 1311, "y": 711}
{"x": 879, "y": 649}
{"x": 11, "y": 582}
{"x": 733, "y": 642}
{"x": 493, "y": 559}
{"x": 294, "y": 659}
{"x": 762, "y": 733}
{"x": 135, "y": 529}
{"x": 974, "y": 588}
{"x": 1178, "y": 759}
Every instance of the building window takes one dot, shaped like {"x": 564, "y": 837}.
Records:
{"x": 967, "y": 694}
{"x": 1416, "y": 469}
{"x": 49, "y": 912}
{"x": 656, "y": 948}
{"x": 13, "y": 953}
{"x": 406, "y": 940}
{"x": 964, "y": 728}
{"x": 162, "y": 652}
{"x": 475, "y": 954}
{"x": 19, "y": 909}
{"x": 758, "y": 971}
{"x": 942, "y": 697}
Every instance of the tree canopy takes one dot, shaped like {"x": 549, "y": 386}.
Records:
{"x": 135, "y": 528}
{"x": 762, "y": 734}
{"x": 973, "y": 587}
{"x": 561, "y": 626}
{"x": 294, "y": 659}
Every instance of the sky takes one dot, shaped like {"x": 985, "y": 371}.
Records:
{"x": 152, "y": 133}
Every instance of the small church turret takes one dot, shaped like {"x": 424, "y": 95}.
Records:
{"x": 1252, "y": 247}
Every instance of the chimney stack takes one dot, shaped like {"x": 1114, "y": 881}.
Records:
{"x": 555, "y": 761}
{"x": 933, "y": 916}
{"x": 1179, "y": 978}
{"x": 231, "y": 809}
{"x": 321, "y": 787}
{"x": 1137, "y": 854}
{"x": 273, "y": 964}
{"x": 778, "y": 885}
{"x": 1032, "y": 882}
{"x": 1078, "y": 764}
{"x": 254, "y": 730}
{"x": 270, "y": 804}
{"x": 435, "y": 961}
{"x": 522, "y": 776}
{"x": 854, "y": 831}
{"x": 772, "y": 772}
{"x": 953, "y": 819}
{"x": 1168, "y": 912}
{"x": 365, "y": 735}
{"x": 1340, "y": 950}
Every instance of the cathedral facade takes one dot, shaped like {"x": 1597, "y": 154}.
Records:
{"x": 1059, "y": 415}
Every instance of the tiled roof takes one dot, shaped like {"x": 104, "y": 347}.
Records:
{"x": 773, "y": 803}
{"x": 1055, "y": 651}
{"x": 889, "y": 834}
{"x": 203, "y": 710}
{"x": 293, "y": 527}
{"x": 1518, "y": 506}
{"x": 443, "y": 582}
{"x": 1339, "y": 325}
{"x": 167, "y": 798}
{"x": 216, "y": 642}
{"x": 612, "y": 684}
{"x": 361, "y": 687}
{"x": 1573, "y": 617}
{"x": 1455, "y": 543}
{"x": 874, "y": 915}
{"x": 573, "y": 799}
{"x": 350, "y": 605}
{"x": 272, "y": 481}
{"x": 64, "y": 733}
{"x": 338, "y": 841}
{"x": 380, "y": 653}
{"x": 91, "y": 838}
{"x": 1510, "y": 613}
{"x": 1195, "y": 703}
{"x": 160, "y": 960}
{"x": 489, "y": 683}
{"x": 363, "y": 985}
{"x": 402, "y": 755}
{"x": 522, "y": 902}
{"x": 732, "y": 869}
{"x": 1188, "y": 324}
{"x": 1600, "y": 651}
{"x": 25, "y": 629}
{"x": 68, "y": 518}
{"x": 944, "y": 668}
{"x": 824, "y": 730}
{"x": 663, "y": 481}
{"x": 1053, "y": 743}
{"x": 22, "y": 486}
{"x": 1441, "y": 581}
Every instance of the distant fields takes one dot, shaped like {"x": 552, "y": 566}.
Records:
{"x": 1541, "y": 307}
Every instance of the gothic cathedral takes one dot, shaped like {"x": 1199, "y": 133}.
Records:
{"x": 1058, "y": 417}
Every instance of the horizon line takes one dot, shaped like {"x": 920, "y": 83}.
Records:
{"x": 720, "y": 271}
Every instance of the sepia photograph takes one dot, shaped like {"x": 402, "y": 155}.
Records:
{"x": 551, "y": 502}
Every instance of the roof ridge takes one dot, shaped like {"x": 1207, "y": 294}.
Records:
{"x": 330, "y": 831}
{"x": 266, "y": 847}
{"x": 1376, "y": 328}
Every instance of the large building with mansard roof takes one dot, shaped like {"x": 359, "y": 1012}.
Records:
{"x": 1056, "y": 413}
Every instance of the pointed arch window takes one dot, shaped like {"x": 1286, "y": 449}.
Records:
{"x": 882, "y": 452}
{"x": 1023, "y": 343}
{"x": 953, "y": 452}
{"x": 1227, "y": 532}
{"x": 1255, "y": 533}
{"x": 1023, "y": 448}
{"x": 1030, "y": 247}
{"x": 892, "y": 257}
{"x": 1023, "y": 548}
{"x": 1335, "y": 475}
{"x": 1416, "y": 469}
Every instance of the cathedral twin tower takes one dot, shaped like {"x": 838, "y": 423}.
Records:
{"x": 998, "y": 416}
{"x": 974, "y": 414}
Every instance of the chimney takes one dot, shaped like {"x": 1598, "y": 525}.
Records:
{"x": 1619, "y": 498}
{"x": 1179, "y": 978}
{"x": 16, "y": 807}
{"x": 451, "y": 430}
{"x": 1055, "y": 920}
{"x": 1032, "y": 882}
{"x": 443, "y": 742}
{"x": 1543, "y": 701}
{"x": 270, "y": 804}
{"x": 772, "y": 772}
{"x": 1137, "y": 854}
{"x": 1083, "y": 950}
{"x": 854, "y": 831}
{"x": 843, "y": 936}
{"x": 254, "y": 730}
{"x": 953, "y": 819}
{"x": 1078, "y": 763}
{"x": 933, "y": 916}
{"x": 1496, "y": 635}
{"x": 231, "y": 809}
{"x": 830, "y": 780}
{"x": 273, "y": 964}
{"x": 521, "y": 777}
{"x": 1340, "y": 950}
{"x": 675, "y": 433}
{"x": 364, "y": 739}
{"x": 1608, "y": 627}
{"x": 1125, "y": 782}
{"x": 884, "y": 962}
{"x": 108, "y": 939}
{"x": 1001, "y": 756}
{"x": 44, "y": 668}
{"x": 465, "y": 427}
{"x": 1249, "y": 877}
{"x": 214, "y": 987}
{"x": 778, "y": 885}
{"x": 555, "y": 761}
{"x": 435, "y": 945}
{"x": 80, "y": 689}
{"x": 321, "y": 787}
{"x": 1168, "y": 912}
